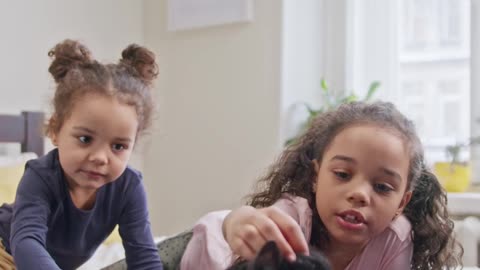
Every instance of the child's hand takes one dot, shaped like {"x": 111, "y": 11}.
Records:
{"x": 247, "y": 229}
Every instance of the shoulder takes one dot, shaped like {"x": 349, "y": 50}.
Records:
{"x": 130, "y": 179}
{"x": 43, "y": 173}
{"x": 395, "y": 244}
{"x": 45, "y": 164}
{"x": 132, "y": 174}
{"x": 299, "y": 209}
{"x": 294, "y": 205}
{"x": 401, "y": 228}
{"x": 129, "y": 186}
{"x": 391, "y": 249}
{"x": 397, "y": 235}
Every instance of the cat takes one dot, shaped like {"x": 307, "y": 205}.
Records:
{"x": 269, "y": 258}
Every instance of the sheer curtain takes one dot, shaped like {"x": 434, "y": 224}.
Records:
{"x": 423, "y": 52}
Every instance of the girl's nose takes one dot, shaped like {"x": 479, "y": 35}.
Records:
{"x": 359, "y": 195}
{"x": 99, "y": 156}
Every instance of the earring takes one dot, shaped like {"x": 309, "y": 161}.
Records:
{"x": 396, "y": 215}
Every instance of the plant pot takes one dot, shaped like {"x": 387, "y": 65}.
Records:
{"x": 453, "y": 177}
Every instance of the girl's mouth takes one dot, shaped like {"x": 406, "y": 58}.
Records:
{"x": 352, "y": 216}
{"x": 93, "y": 175}
{"x": 351, "y": 220}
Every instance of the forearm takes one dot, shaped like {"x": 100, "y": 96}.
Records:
{"x": 30, "y": 254}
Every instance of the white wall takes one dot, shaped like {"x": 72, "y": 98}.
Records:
{"x": 29, "y": 29}
{"x": 302, "y": 69}
{"x": 219, "y": 91}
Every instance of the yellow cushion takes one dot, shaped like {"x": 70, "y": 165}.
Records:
{"x": 10, "y": 176}
{"x": 114, "y": 237}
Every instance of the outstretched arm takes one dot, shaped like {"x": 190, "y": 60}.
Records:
{"x": 210, "y": 249}
{"x": 29, "y": 224}
{"x": 140, "y": 249}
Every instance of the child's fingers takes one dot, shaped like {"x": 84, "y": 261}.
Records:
{"x": 252, "y": 236}
{"x": 269, "y": 230}
{"x": 290, "y": 230}
{"x": 241, "y": 248}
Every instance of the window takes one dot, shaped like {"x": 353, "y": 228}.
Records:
{"x": 422, "y": 52}
{"x": 433, "y": 70}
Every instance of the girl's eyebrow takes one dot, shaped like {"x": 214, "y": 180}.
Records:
{"x": 125, "y": 140}
{"x": 84, "y": 129}
{"x": 344, "y": 158}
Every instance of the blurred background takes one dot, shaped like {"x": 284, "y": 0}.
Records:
{"x": 234, "y": 73}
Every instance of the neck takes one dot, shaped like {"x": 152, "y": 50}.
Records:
{"x": 83, "y": 199}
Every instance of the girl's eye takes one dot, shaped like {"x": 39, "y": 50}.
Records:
{"x": 119, "y": 147}
{"x": 342, "y": 175}
{"x": 85, "y": 139}
{"x": 382, "y": 188}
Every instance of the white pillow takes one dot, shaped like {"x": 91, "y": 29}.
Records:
{"x": 21, "y": 158}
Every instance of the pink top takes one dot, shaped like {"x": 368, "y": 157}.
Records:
{"x": 207, "y": 249}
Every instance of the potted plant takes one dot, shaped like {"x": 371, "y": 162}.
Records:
{"x": 331, "y": 101}
{"x": 454, "y": 174}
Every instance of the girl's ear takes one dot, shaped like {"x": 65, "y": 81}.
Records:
{"x": 316, "y": 165}
{"x": 405, "y": 200}
{"x": 51, "y": 133}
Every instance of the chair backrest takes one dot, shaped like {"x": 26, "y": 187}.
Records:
{"x": 26, "y": 129}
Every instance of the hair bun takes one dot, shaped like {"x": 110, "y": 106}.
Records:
{"x": 142, "y": 60}
{"x": 67, "y": 55}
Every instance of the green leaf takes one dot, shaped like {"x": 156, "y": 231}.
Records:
{"x": 371, "y": 90}
{"x": 323, "y": 84}
{"x": 311, "y": 111}
{"x": 330, "y": 101}
{"x": 290, "y": 141}
{"x": 350, "y": 98}
{"x": 309, "y": 108}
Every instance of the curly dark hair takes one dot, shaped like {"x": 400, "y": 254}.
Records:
{"x": 77, "y": 73}
{"x": 435, "y": 246}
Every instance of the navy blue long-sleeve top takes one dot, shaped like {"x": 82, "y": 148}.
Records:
{"x": 43, "y": 229}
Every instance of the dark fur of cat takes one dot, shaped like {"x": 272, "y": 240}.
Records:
{"x": 270, "y": 258}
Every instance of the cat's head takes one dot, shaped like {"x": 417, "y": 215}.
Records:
{"x": 270, "y": 258}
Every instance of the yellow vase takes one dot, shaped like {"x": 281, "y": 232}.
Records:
{"x": 453, "y": 177}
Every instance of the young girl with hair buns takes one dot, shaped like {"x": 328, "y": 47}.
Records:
{"x": 70, "y": 200}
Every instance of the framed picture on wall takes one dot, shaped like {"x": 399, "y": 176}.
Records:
{"x": 190, "y": 14}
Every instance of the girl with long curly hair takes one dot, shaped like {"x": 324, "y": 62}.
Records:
{"x": 355, "y": 186}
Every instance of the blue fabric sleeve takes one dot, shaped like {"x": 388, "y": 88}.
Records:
{"x": 134, "y": 227}
{"x": 29, "y": 227}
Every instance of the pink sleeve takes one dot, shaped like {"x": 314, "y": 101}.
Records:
{"x": 207, "y": 248}
{"x": 298, "y": 209}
